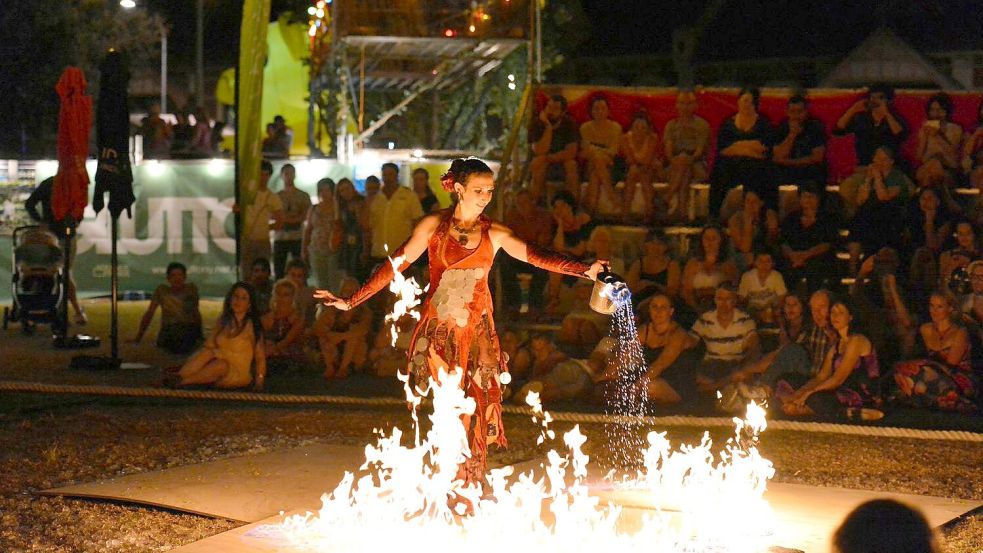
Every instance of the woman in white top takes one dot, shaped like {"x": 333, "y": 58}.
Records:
{"x": 322, "y": 238}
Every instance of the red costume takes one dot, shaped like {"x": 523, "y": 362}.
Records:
{"x": 457, "y": 328}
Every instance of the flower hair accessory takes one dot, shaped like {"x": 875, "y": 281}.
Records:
{"x": 447, "y": 181}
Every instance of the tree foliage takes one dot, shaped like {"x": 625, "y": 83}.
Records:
{"x": 40, "y": 39}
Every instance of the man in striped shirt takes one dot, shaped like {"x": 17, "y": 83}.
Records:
{"x": 730, "y": 337}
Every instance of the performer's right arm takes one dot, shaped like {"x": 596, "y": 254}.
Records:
{"x": 411, "y": 250}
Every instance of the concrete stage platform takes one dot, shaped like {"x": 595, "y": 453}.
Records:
{"x": 254, "y": 489}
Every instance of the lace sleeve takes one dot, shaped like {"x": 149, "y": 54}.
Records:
{"x": 555, "y": 262}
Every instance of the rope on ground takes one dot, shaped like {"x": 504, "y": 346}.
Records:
{"x": 599, "y": 418}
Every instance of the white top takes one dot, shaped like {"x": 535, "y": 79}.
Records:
{"x": 761, "y": 294}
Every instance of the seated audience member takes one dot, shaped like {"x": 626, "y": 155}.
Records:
{"x": 421, "y": 186}
{"x": 234, "y": 350}
{"x": 753, "y": 228}
{"x": 966, "y": 251}
{"x": 518, "y": 357}
{"x": 262, "y": 286}
{"x": 847, "y": 379}
{"x": 762, "y": 289}
{"x": 387, "y": 358}
{"x": 730, "y": 338}
{"x": 873, "y": 124}
{"x": 800, "y": 146}
{"x": 667, "y": 378}
{"x": 534, "y": 225}
{"x": 944, "y": 379}
{"x": 687, "y": 140}
{"x": 972, "y": 160}
{"x": 929, "y": 222}
{"x": 938, "y": 150}
{"x": 582, "y": 327}
{"x": 885, "y": 526}
{"x": 283, "y": 329}
{"x": 883, "y": 306}
{"x": 807, "y": 241}
{"x": 554, "y": 138}
{"x": 559, "y": 378}
{"x": 971, "y": 312}
{"x": 599, "y": 141}
{"x": 803, "y": 344}
{"x": 706, "y": 270}
{"x": 880, "y": 201}
{"x": 601, "y": 245}
{"x": 642, "y": 150}
{"x": 180, "y": 319}
{"x": 343, "y": 336}
{"x": 573, "y": 227}
{"x": 655, "y": 271}
{"x": 744, "y": 154}
{"x": 305, "y": 302}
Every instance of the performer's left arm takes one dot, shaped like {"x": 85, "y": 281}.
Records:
{"x": 503, "y": 237}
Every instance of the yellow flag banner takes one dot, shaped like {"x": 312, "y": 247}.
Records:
{"x": 252, "y": 59}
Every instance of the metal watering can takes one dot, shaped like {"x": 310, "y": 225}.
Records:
{"x": 601, "y": 299}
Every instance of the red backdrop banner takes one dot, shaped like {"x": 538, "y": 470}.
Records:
{"x": 716, "y": 105}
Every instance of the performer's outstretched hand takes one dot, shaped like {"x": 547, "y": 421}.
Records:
{"x": 327, "y": 298}
{"x": 596, "y": 267}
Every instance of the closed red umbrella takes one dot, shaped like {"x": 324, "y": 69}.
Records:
{"x": 70, "y": 193}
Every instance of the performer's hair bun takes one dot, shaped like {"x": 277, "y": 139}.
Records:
{"x": 461, "y": 169}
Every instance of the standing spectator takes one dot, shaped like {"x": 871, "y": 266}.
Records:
{"x": 305, "y": 302}
{"x": 343, "y": 336}
{"x": 880, "y": 201}
{"x": 230, "y": 354}
{"x": 265, "y": 207}
{"x": 666, "y": 379}
{"x": 262, "y": 285}
{"x": 945, "y": 378}
{"x": 846, "y": 379}
{"x": 182, "y": 135}
{"x": 372, "y": 186}
{"x": 534, "y": 225}
{"x": 42, "y": 195}
{"x": 707, "y": 270}
{"x": 730, "y": 337}
{"x": 392, "y": 214}
{"x": 972, "y": 160}
{"x": 156, "y": 134}
{"x": 283, "y": 328}
{"x": 180, "y": 319}
{"x": 9, "y": 211}
{"x": 421, "y": 186}
{"x": 744, "y": 154}
{"x": 273, "y": 144}
{"x": 288, "y": 239}
{"x": 655, "y": 272}
{"x": 322, "y": 238}
{"x": 808, "y": 238}
{"x": 201, "y": 142}
{"x": 873, "y": 124}
{"x": 642, "y": 151}
{"x": 554, "y": 137}
{"x": 599, "y": 141}
{"x": 686, "y": 141}
{"x": 352, "y": 216}
{"x": 939, "y": 147}
{"x": 800, "y": 146}
{"x": 762, "y": 289}
{"x": 284, "y": 133}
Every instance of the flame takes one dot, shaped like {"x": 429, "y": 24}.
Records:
{"x": 412, "y": 498}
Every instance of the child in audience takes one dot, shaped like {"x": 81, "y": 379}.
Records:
{"x": 343, "y": 336}
{"x": 283, "y": 328}
{"x": 180, "y": 319}
{"x": 762, "y": 289}
{"x": 305, "y": 302}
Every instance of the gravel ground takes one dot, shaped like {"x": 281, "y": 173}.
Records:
{"x": 59, "y": 441}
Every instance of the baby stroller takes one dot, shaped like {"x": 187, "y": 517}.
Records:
{"x": 37, "y": 283}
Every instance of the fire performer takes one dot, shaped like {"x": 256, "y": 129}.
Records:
{"x": 457, "y": 329}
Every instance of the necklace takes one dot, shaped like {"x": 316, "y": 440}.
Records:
{"x": 462, "y": 231}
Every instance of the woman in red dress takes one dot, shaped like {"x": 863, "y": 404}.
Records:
{"x": 457, "y": 328}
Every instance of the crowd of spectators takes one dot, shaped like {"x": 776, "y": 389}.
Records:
{"x": 194, "y": 136}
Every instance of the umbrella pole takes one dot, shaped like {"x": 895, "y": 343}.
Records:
{"x": 67, "y": 276}
{"x": 114, "y": 292}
